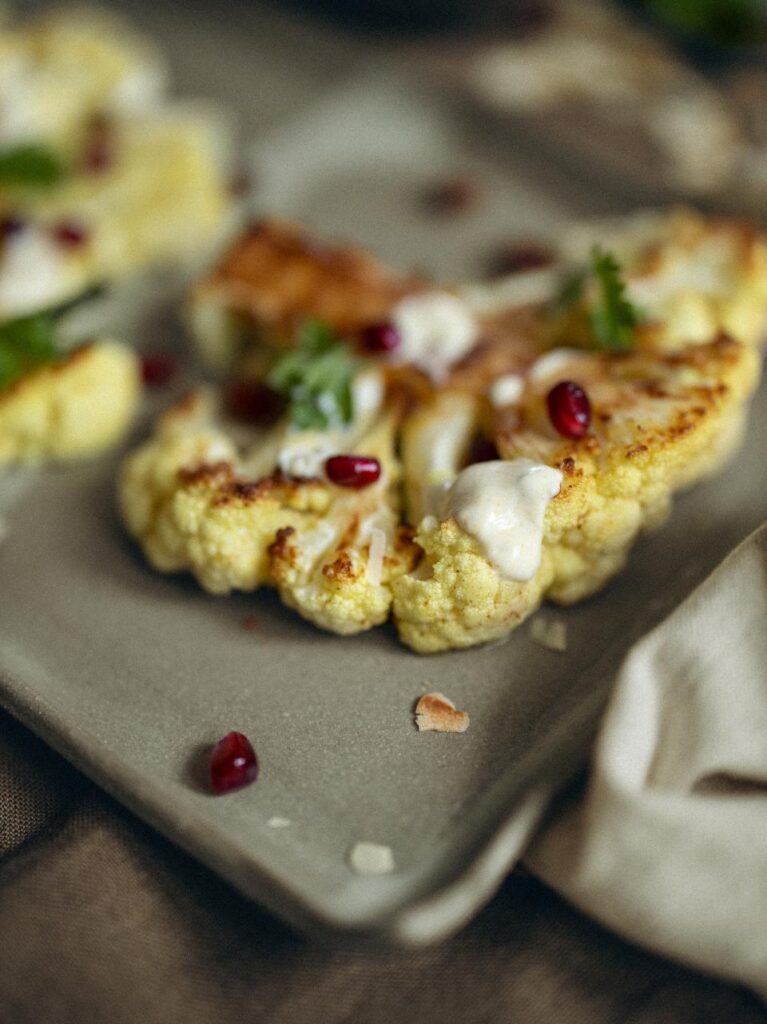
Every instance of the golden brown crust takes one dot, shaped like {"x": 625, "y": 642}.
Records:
{"x": 276, "y": 276}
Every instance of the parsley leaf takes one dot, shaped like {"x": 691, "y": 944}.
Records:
{"x": 30, "y": 163}
{"x": 614, "y": 318}
{"x": 316, "y": 378}
{"x": 25, "y": 343}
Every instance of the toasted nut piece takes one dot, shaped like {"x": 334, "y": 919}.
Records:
{"x": 434, "y": 712}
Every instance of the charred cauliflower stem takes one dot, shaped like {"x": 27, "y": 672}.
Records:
{"x": 99, "y": 176}
{"x": 528, "y": 442}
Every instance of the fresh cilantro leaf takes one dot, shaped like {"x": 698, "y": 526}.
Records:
{"x": 316, "y": 378}
{"x": 613, "y": 318}
{"x": 30, "y": 164}
{"x": 25, "y": 343}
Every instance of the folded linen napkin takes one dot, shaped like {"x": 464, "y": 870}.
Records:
{"x": 668, "y": 845}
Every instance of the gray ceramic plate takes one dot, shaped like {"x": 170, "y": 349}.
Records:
{"x": 132, "y": 675}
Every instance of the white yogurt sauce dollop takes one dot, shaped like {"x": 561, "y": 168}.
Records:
{"x": 33, "y": 272}
{"x": 436, "y": 329}
{"x": 502, "y": 505}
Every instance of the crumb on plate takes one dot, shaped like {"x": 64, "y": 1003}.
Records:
{"x": 549, "y": 633}
{"x": 367, "y": 858}
{"x": 434, "y": 712}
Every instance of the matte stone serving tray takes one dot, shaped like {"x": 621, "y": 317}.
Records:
{"x": 132, "y": 675}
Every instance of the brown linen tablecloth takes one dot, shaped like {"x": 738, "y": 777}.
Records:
{"x": 103, "y": 921}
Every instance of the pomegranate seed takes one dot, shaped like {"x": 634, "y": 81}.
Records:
{"x": 253, "y": 402}
{"x": 232, "y": 764}
{"x": 99, "y": 152}
{"x": 383, "y": 337}
{"x": 516, "y": 257}
{"x": 249, "y": 622}
{"x": 352, "y": 470}
{"x": 98, "y": 157}
{"x": 10, "y": 226}
{"x": 70, "y": 235}
{"x": 240, "y": 184}
{"x": 454, "y": 196}
{"x": 158, "y": 369}
{"x": 569, "y": 409}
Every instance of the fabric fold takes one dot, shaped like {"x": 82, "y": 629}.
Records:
{"x": 668, "y": 845}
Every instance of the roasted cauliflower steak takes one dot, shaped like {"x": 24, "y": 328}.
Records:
{"x": 664, "y": 413}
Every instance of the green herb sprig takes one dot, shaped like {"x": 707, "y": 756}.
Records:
{"x": 25, "y": 344}
{"x": 29, "y": 341}
{"x": 316, "y": 378}
{"x": 601, "y": 289}
{"x": 613, "y": 318}
{"x": 31, "y": 164}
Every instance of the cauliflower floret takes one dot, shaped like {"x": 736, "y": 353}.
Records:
{"x": 339, "y": 574}
{"x": 163, "y": 199}
{"x": 58, "y": 71}
{"x": 689, "y": 276}
{"x": 659, "y": 423}
{"x": 182, "y": 497}
{"x": 197, "y": 501}
{"x": 71, "y": 408}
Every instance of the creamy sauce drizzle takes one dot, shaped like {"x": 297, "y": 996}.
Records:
{"x": 502, "y": 505}
{"x": 436, "y": 330}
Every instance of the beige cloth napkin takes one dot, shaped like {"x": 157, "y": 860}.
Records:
{"x": 668, "y": 846}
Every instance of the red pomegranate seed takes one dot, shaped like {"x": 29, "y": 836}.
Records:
{"x": 10, "y": 226}
{"x": 249, "y": 622}
{"x": 70, "y": 235}
{"x": 352, "y": 470}
{"x": 241, "y": 183}
{"x": 569, "y": 409}
{"x": 232, "y": 764}
{"x": 454, "y": 196}
{"x": 517, "y": 257}
{"x": 158, "y": 369}
{"x": 383, "y": 337}
{"x": 252, "y": 402}
{"x": 99, "y": 156}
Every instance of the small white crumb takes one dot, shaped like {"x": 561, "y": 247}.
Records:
{"x": 549, "y": 633}
{"x": 277, "y": 822}
{"x": 371, "y": 859}
{"x": 506, "y": 390}
{"x": 434, "y": 712}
